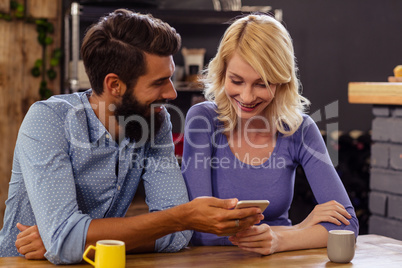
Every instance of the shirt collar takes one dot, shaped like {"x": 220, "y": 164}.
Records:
{"x": 96, "y": 129}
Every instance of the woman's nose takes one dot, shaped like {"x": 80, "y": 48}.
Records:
{"x": 247, "y": 94}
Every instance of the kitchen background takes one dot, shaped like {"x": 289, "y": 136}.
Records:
{"x": 336, "y": 42}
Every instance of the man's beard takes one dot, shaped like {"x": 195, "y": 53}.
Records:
{"x": 135, "y": 119}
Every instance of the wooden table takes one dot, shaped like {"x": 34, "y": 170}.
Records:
{"x": 371, "y": 251}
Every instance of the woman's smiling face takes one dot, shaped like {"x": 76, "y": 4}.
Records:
{"x": 245, "y": 89}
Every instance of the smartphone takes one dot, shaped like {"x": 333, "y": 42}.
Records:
{"x": 262, "y": 204}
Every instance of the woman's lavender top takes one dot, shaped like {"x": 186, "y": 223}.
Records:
{"x": 210, "y": 168}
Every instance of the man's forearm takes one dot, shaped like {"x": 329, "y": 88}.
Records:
{"x": 207, "y": 214}
{"x": 139, "y": 232}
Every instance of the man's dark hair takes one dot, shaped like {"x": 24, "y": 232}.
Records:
{"x": 116, "y": 44}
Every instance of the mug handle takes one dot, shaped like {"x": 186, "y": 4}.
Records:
{"x": 84, "y": 256}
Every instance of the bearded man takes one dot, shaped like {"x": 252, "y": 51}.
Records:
{"x": 73, "y": 176}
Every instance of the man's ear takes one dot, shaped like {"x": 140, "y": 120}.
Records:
{"x": 114, "y": 85}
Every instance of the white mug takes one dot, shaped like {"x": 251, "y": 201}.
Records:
{"x": 341, "y": 245}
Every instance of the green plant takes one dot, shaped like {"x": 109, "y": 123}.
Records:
{"x": 44, "y": 68}
{"x": 44, "y": 29}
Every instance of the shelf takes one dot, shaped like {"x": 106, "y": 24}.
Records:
{"x": 375, "y": 93}
{"x": 91, "y": 13}
{"x": 188, "y": 86}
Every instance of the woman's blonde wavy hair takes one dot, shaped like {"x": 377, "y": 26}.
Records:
{"x": 266, "y": 45}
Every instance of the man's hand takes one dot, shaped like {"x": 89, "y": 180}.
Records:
{"x": 217, "y": 216}
{"x": 29, "y": 243}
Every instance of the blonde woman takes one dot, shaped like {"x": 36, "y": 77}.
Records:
{"x": 247, "y": 140}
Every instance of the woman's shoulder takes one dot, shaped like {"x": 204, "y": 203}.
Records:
{"x": 203, "y": 115}
{"x": 307, "y": 118}
{"x": 307, "y": 128}
{"x": 306, "y": 124}
{"x": 206, "y": 108}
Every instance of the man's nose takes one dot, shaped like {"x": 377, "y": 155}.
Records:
{"x": 169, "y": 92}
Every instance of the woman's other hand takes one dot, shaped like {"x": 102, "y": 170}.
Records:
{"x": 331, "y": 211}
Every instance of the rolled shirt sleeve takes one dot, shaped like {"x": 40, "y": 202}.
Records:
{"x": 49, "y": 180}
